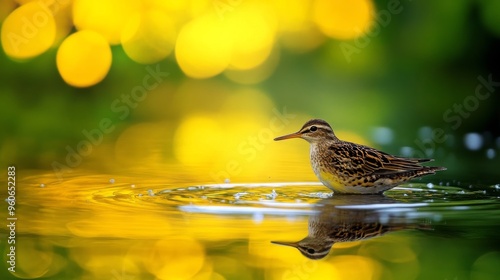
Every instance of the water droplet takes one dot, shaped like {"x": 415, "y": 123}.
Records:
{"x": 272, "y": 195}
{"x": 112, "y": 181}
{"x": 430, "y": 185}
{"x": 132, "y": 186}
{"x": 258, "y": 217}
{"x": 42, "y": 185}
{"x": 151, "y": 193}
{"x": 227, "y": 181}
{"x": 473, "y": 141}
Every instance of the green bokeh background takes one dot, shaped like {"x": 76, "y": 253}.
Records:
{"x": 423, "y": 61}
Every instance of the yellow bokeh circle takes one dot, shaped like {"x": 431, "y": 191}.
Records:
{"x": 61, "y": 10}
{"x": 198, "y": 140}
{"x": 343, "y": 20}
{"x": 84, "y": 58}
{"x": 150, "y": 37}
{"x": 28, "y": 31}
{"x": 203, "y": 47}
{"x": 107, "y": 17}
{"x": 252, "y": 34}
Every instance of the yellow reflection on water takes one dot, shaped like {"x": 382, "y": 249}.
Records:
{"x": 133, "y": 141}
{"x": 366, "y": 268}
{"x": 114, "y": 226}
{"x": 131, "y": 225}
{"x": 47, "y": 263}
{"x": 175, "y": 258}
{"x": 144, "y": 225}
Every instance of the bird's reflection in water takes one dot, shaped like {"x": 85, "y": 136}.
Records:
{"x": 345, "y": 218}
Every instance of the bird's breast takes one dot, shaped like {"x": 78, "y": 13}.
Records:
{"x": 326, "y": 175}
{"x": 315, "y": 160}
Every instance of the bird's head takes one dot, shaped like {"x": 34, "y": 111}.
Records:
{"x": 312, "y": 248}
{"x": 312, "y": 131}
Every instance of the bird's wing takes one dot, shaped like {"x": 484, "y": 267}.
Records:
{"x": 362, "y": 160}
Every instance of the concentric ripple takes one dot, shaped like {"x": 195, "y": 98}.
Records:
{"x": 301, "y": 198}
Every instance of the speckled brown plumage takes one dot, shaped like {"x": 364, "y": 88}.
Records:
{"x": 347, "y": 167}
{"x": 333, "y": 223}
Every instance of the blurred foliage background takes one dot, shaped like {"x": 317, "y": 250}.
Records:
{"x": 204, "y": 85}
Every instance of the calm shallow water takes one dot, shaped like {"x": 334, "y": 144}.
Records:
{"x": 126, "y": 227}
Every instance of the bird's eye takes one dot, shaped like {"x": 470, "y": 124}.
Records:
{"x": 311, "y": 251}
{"x": 313, "y": 128}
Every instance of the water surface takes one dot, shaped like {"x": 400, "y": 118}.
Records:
{"x": 126, "y": 227}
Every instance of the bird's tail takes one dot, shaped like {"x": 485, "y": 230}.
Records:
{"x": 435, "y": 168}
{"x": 427, "y": 170}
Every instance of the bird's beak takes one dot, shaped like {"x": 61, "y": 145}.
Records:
{"x": 288, "y": 136}
{"x": 286, "y": 243}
